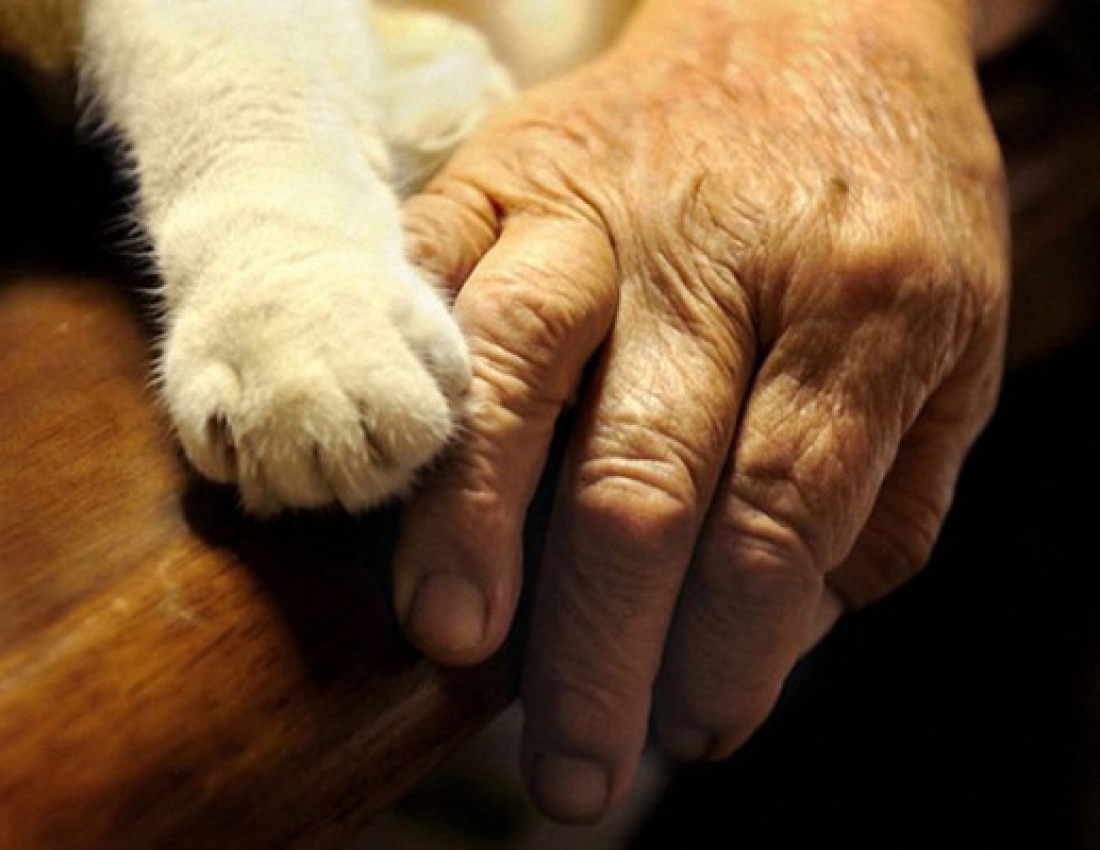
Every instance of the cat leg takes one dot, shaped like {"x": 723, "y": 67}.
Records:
{"x": 441, "y": 79}
{"x": 304, "y": 358}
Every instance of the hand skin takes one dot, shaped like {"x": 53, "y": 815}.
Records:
{"x": 774, "y": 233}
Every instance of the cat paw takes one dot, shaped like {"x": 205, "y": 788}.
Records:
{"x": 313, "y": 390}
{"x": 441, "y": 79}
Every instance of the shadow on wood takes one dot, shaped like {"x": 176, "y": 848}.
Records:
{"x": 173, "y": 674}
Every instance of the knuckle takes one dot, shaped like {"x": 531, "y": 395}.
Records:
{"x": 910, "y": 277}
{"x": 769, "y": 525}
{"x": 523, "y": 337}
{"x": 454, "y": 207}
{"x": 525, "y": 330}
{"x": 485, "y": 509}
{"x": 896, "y": 543}
{"x": 769, "y": 575}
{"x": 888, "y": 253}
{"x": 766, "y": 582}
{"x": 540, "y": 315}
{"x": 635, "y": 537}
{"x": 468, "y": 496}
{"x": 896, "y": 557}
{"x": 641, "y": 506}
{"x": 900, "y": 541}
{"x": 550, "y": 299}
{"x": 926, "y": 285}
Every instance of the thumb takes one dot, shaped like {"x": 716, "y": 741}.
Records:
{"x": 448, "y": 228}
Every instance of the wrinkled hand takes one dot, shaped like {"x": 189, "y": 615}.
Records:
{"x": 783, "y": 255}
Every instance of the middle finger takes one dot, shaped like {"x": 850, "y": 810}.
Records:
{"x": 645, "y": 456}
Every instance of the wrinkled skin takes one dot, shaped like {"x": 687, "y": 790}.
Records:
{"x": 781, "y": 257}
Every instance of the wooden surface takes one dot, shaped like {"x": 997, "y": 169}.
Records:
{"x": 172, "y": 675}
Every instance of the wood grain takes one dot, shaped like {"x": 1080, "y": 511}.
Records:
{"x": 172, "y": 674}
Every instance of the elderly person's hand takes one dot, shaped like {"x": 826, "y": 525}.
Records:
{"x": 763, "y": 246}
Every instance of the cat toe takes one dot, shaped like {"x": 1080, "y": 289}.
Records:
{"x": 218, "y": 454}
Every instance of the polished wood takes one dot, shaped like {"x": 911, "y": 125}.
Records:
{"x": 171, "y": 673}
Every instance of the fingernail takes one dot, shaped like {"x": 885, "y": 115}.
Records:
{"x": 569, "y": 789}
{"x": 684, "y": 742}
{"x": 447, "y": 614}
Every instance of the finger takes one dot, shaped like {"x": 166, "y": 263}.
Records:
{"x": 917, "y": 494}
{"x": 448, "y": 228}
{"x": 820, "y": 431}
{"x": 533, "y": 312}
{"x": 830, "y": 609}
{"x": 643, "y": 464}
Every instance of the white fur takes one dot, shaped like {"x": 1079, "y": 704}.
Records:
{"x": 304, "y": 357}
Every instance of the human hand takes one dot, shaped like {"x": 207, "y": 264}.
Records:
{"x": 779, "y": 239}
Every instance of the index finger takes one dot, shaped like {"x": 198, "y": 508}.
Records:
{"x": 652, "y": 436}
{"x": 533, "y": 312}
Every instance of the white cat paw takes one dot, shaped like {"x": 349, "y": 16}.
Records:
{"x": 441, "y": 80}
{"x": 314, "y": 388}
